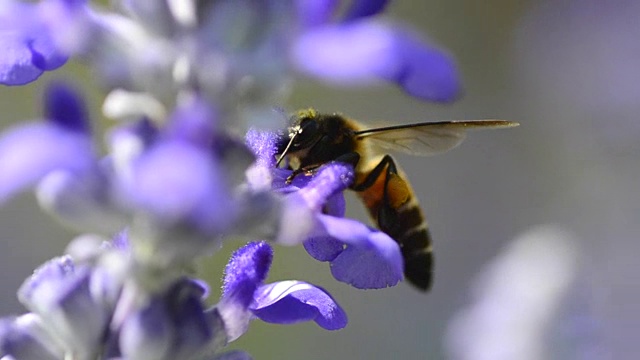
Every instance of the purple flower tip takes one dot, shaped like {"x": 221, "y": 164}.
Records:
{"x": 365, "y": 8}
{"x": 63, "y": 106}
{"x": 363, "y": 51}
{"x": 263, "y": 145}
{"x": 289, "y": 302}
{"x": 370, "y": 260}
{"x": 332, "y": 179}
{"x": 193, "y": 122}
{"x": 246, "y": 270}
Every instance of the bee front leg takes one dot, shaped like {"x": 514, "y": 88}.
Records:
{"x": 349, "y": 158}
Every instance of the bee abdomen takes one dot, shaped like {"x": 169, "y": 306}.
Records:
{"x": 418, "y": 257}
{"x": 406, "y": 225}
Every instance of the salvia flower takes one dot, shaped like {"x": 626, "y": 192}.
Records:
{"x": 186, "y": 79}
{"x": 239, "y": 49}
{"x": 94, "y": 303}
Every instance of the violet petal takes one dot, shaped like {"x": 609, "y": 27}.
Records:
{"x": 16, "y": 62}
{"x": 372, "y": 260}
{"x": 25, "y": 338}
{"x": 364, "y": 8}
{"x": 324, "y": 248}
{"x": 289, "y": 302}
{"x": 60, "y": 292}
{"x": 331, "y": 179}
{"x": 361, "y": 52}
{"x": 246, "y": 270}
{"x": 64, "y": 107}
{"x": 312, "y": 13}
{"x": 176, "y": 181}
{"x": 27, "y": 48}
{"x": 29, "y": 152}
{"x": 263, "y": 145}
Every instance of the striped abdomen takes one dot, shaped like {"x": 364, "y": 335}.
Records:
{"x": 391, "y": 203}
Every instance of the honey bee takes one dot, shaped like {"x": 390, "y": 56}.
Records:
{"x": 314, "y": 139}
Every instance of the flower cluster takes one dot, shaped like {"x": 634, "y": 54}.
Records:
{"x": 183, "y": 78}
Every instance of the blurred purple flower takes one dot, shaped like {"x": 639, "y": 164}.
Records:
{"x": 26, "y": 41}
{"x": 358, "y": 49}
{"x": 516, "y": 298}
{"x": 360, "y": 256}
{"x": 183, "y": 76}
{"x": 180, "y": 181}
{"x": 61, "y": 142}
{"x": 144, "y": 53}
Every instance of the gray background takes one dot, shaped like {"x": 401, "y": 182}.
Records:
{"x": 568, "y": 72}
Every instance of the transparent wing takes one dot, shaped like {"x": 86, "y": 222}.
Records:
{"x": 427, "y": 138}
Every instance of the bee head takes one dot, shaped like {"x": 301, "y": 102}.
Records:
{"x": 304, "y": 133}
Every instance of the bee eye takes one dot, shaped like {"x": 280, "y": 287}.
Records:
{"x": 307, "y": 134}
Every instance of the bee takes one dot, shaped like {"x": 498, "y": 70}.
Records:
{"x": 314, "y": 139}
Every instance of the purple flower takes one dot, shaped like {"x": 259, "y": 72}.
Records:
{"x": 141, "y": 50}
{"x": 27, "y": 42}
{"x": 61, "y": 142}
{"x": 179, "y": 188}
{"x": 100, "y": 304}
{"x": 285, "y": 302}
{"x": 358, "y": 49}
{"x": 184, "y": 78}
{"x": 360, "y": 256}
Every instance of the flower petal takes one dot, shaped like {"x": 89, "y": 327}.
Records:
{"x": 45, "y": 54}
{"x": 372, "y": 260}
{"x": 25, "y": 338}
{"x": 335, "y": 205}
{"x": 85, "y": 202}
{"x": 313, "y": 13}
{"x": 29, "y": 152}
{"x": 60, "y": 292}
{"x": 289, "y": 302}
{"x": 246, "y": 270}
{"x": 64, "y": 107}
{"x": 26, "y": 46}
{"x": 364, "y": 8}
{"x": 330, "y": 180}
{"x": 363, "y": 51}
{"x": 172, "y": 325}
{"x": 147, "y": 334}
{"x": 16, "y": 61}
{"x": 263, "y": 145}
{"x": 324, "y": 248}
{"x": 178, "y": 182}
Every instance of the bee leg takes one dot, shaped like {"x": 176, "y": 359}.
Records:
{"x": 293, "y": 175}
{"x": 387, "y": 164}
{"x": 351, "y": 158}
{"x": 387, "y": 216}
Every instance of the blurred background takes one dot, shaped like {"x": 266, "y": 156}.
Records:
{"x": 505, "y": 287}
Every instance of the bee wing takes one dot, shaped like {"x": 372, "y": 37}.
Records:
{"x": 427, "y": 138}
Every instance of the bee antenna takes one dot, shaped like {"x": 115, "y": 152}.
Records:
{"x": 286, "y": 150}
